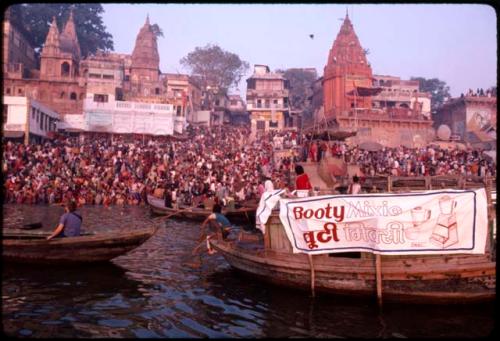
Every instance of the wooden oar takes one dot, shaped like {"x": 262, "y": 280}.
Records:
{"x": 32, "y": 226}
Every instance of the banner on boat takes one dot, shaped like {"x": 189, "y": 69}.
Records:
{"x": 430, "y": 222}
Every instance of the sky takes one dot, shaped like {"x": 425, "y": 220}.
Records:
{"x": 456, "y": 43}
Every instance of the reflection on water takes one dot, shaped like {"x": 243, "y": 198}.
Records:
{"x": 160, "y": 290}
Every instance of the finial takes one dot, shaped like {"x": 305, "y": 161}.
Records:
{"x": 147, "y": 19}
{"x": 347, "y": 12}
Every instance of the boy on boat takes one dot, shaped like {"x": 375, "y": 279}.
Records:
{"x": 218, "y": 225}
{"x": 69, "y": 223}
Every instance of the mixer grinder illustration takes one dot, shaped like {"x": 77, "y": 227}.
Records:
{"x": 445, "y": 232}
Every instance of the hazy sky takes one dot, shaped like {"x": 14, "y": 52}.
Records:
{"x": 455, "y": 43}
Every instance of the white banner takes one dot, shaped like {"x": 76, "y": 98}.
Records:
{"x": 429, "y": 222}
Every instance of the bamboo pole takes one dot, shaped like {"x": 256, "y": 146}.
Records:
{"x": 313, "y": 277}
{"x": 378, "y": 267}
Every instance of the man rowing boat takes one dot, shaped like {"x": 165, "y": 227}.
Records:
{"x": 69, "y": 223}
{"x": 218, "y": 225}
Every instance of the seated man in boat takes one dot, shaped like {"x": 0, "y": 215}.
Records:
{"x": 69, "y": 223}
{"x": 218, "y": 225}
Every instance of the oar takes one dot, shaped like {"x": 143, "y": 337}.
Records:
{"x": 32, "y": 226}
{"x": 178, "y": 211}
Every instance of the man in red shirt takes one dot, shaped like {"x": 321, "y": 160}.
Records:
{"x": 302, "y": 180}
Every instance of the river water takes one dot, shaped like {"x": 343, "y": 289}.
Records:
{"x": 160, "y": 290}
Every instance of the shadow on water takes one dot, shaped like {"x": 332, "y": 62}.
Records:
{"x": 42, "y": 301}
{"x": 286, "y": 312}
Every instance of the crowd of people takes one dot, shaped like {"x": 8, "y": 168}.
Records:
{"x": 403, "y": 161}
{"x": 220, "y": 163}
{"x": 216, "y": 163}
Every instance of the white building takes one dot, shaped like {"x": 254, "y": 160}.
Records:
{"x": 22, "y": 114}
{"x": 101, "y": 113}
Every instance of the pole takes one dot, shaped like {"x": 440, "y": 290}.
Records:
{"x": 27, "y": 125}
{"x": 311, "y": 264}
{"x": 378, "y": 268}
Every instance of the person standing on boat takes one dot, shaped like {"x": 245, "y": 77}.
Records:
{"x": 355, "y": 187}
{"x": 302, "y": 180}
{"x": 69, "y": 223}
{"x": 218, "y": 225}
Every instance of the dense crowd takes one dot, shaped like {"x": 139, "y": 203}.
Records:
{"x": 220, "y": 164}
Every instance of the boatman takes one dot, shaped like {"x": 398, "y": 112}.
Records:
{"x": 218, "y": 225}
{"x": 69, "y": 223}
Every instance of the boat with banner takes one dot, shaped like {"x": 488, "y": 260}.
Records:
{"x": 32, "y": 247}
{"x": 428, "y": 253}
{"x": 244, "y": 214}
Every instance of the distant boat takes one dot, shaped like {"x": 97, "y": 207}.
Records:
{"x": 243, "y": 214}
{"x": 32, "y": 247}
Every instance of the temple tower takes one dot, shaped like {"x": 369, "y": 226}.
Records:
{"x": 346, "y": 69}
{"x": 60, "y": 56}
{"x": 145, "y": 59}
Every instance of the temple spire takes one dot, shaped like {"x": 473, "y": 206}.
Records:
{"x": 147, "y": 19}
{"x": 52, "y": 41}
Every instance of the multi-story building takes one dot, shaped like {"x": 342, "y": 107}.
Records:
{"x": 377, "y": 108}
{"x": 25, "y": 118}
{"x": 18, "y": 54}
{"x": 72, "y": 86}
{"x": 398, "y": 93}
{"x": 471, "y": 119}
{"x": 267, "y": 100}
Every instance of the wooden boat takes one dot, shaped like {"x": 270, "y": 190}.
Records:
{"x": 245, "y": 214}
{"x": 32, "y": 246}
{"x": 456, "y": 278}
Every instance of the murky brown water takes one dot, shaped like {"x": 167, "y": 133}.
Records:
{"x": 157, "y": 290}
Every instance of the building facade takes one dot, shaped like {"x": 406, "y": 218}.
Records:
{"x": 71, "y": 86}
{"x": 24, "y": 117}
{"x": 267, "y": 100}
{"x": 472, "y": 119}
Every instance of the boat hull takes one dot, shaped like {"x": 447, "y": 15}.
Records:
{"x": 412, "y": 279}
{"x": 34, "y": 248}
{"x": 241, "y": 215}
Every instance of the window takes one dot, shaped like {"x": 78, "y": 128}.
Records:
{"x": 37, "y": 116}
{"x": 259, "y": 103}
{"x": 108, "y": 76}
{"x": 261, "y": 125}
{"x": 217, "y": 102}
{"x": 285, "y": 101}
{"x": 65, "y": 69}
{"x": 20, "y": 91}
{"x": 127, "y": 78}
{"x": 267, "y": 103}
{"x": 100, "y": 98}
{"x": 5, "y": 113}
{"x": 62, "y": 94}
{"x": 42, "y": 119}
{"x": 33, "y": 113}
{"x": 273, "y": 124}
{"x": 119, "y": 94}
{"x": 8, "y": 91}
{"x": 179, "y": 110}
{"x": 157, "y": 91}
{"x": 73, "y": 96}
{"x": 94, "y": 75}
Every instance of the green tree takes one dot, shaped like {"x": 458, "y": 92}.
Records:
{"x": 437, "y": 88}
{"x": 33, "y": 19}
{"x": 301, "y": 81}
{"x": 157, "y": 30}
{"x": 493, "y": 91}
{"x": 211, "y": 66}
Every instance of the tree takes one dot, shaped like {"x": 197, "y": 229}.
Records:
{"x": 33, "y": 20}
{"x": 493, "y": 91}
{"x": 301, "y": 81}
{"x": 210, "y": 66}
{"x": 437, "y": 88}
{"x": 157, "y": 30}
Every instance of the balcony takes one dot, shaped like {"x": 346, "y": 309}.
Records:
{"x": 90, "y": 105}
